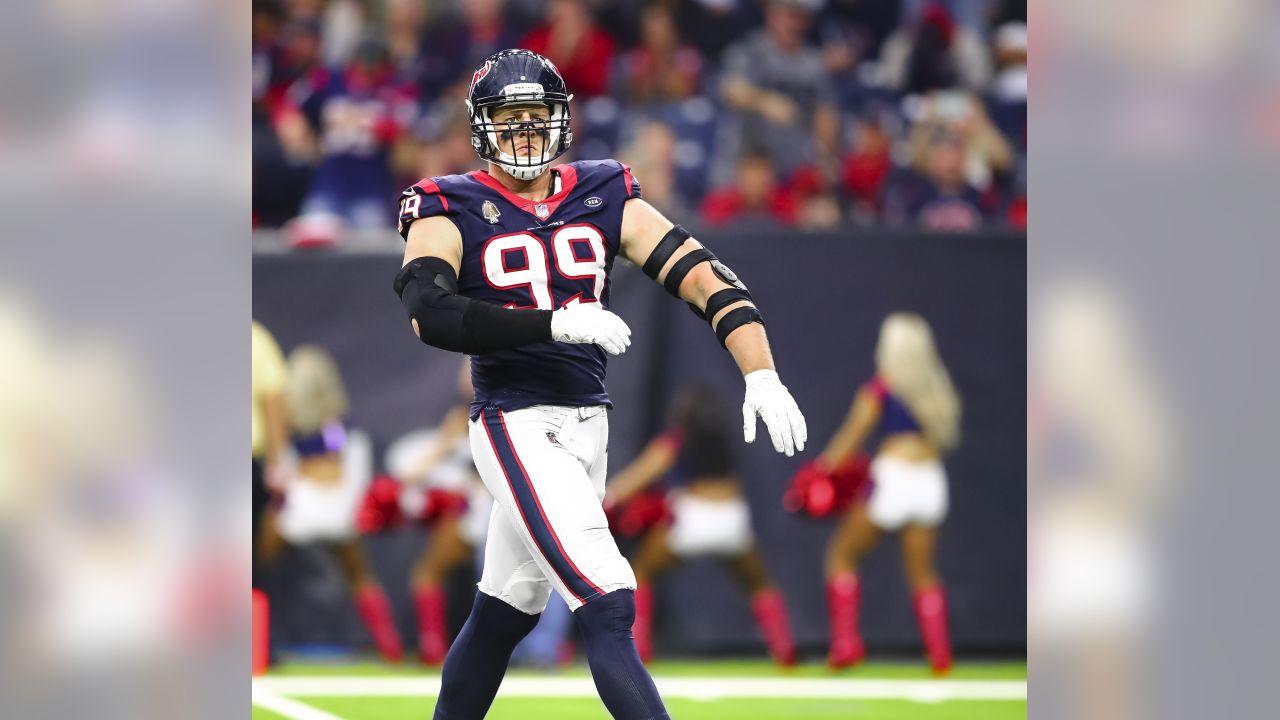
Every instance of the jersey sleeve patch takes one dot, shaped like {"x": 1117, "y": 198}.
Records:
{"x": 423, "y": 199}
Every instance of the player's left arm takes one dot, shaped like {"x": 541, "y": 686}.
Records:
{"x": 669, "y": 255}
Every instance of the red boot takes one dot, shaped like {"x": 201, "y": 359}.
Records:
{"x": 260, "y": 633}
{"x": 771, "y": 615}
{"x": 844, "y": 594}
{"x": 642, "y": 628}
{"x": 375, "y": 610}
{"x": 931, "y": 612}
{"x": 433, "y": 639}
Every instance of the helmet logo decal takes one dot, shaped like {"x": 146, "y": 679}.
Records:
{"x": 480, "y": 74}
{"x": 490, "y": 212}
{"x": 541, "y": 211}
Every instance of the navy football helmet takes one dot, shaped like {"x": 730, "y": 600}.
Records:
{"x": 518, "y": 77}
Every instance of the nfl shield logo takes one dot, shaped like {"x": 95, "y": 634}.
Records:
{"x": 541, "y": 210}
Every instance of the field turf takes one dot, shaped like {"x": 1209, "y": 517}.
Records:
{"x": 698, "y": 691}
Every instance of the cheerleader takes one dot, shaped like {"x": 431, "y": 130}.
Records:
{"x": 708, "y": 516}
{"x": 912, "y": 405}
{"x": 322, "y": 493}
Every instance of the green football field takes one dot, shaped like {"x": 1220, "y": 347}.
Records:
{"x": 745, "y": 690}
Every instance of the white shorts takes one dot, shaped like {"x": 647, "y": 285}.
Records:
{"x": 323, "y": 511}
{"x": 1093, "y": 575}
{"x": 545, "y": 467}
{"x": 907, "y": 493}
{"x": 709, "y": 527}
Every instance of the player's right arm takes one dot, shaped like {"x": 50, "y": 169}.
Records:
{"x": 427, "y": 285}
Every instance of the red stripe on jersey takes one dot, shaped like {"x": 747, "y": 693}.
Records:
{"x": 430, "y": 187}
{"x": 626, "y": 177}
{"x": 568, "y": 178}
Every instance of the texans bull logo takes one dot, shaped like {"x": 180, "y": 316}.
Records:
{"x": 490, "y": 212}
{"x": 480, "y": 74}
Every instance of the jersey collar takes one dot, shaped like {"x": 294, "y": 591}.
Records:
{"x": 568, "y": 178}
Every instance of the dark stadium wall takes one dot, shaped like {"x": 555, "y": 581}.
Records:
{"x": 823, "y": 297}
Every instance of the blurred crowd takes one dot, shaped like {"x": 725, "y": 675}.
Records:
{"x": 795, "y": 113}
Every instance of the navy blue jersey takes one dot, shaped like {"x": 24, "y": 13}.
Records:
{"x": 357, "y": 120}
{"x": 522, "y": 253}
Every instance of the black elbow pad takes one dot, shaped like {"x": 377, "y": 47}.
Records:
{"x": 431, "y": 270}
{"x": 428, "y": 288}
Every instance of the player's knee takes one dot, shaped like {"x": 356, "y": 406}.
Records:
{"x": 611, "y": 614}
{"x": 502, "y": 619}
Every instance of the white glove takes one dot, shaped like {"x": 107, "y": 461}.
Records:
{"x": 768, "y": 398}
{"x": 590, "y": 323}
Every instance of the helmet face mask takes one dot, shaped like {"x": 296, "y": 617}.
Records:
{"x": 519, "y": 79}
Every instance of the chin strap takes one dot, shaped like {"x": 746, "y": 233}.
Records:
{"x": 525, "y": 172}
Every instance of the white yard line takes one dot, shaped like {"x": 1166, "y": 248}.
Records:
{"x": 287, "y": 707}
{"x": 697, "y": 688}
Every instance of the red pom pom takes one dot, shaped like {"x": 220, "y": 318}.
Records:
{"x": 634, "y": 517}
{"x": 380, "y": 508}
{"x": 819, "y": 492}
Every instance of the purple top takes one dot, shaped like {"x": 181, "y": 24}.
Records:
{"x": 329, "y": 439}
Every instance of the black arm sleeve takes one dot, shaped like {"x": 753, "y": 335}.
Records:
{"x": 428, "y": 287}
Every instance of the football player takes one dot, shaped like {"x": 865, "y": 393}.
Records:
{"x": 511, "y": 266}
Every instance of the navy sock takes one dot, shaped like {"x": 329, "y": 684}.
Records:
{"x": 621, "y": 679}
{"x": 478, "y": 658}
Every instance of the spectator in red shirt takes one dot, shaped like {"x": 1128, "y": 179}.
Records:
{"x": 581, "y": 50}
{"x": 1016, "y": 214}
{"x": 755, "y": 195}
{"x": 662, "y": 67}
{"x": 867, "y": 164}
